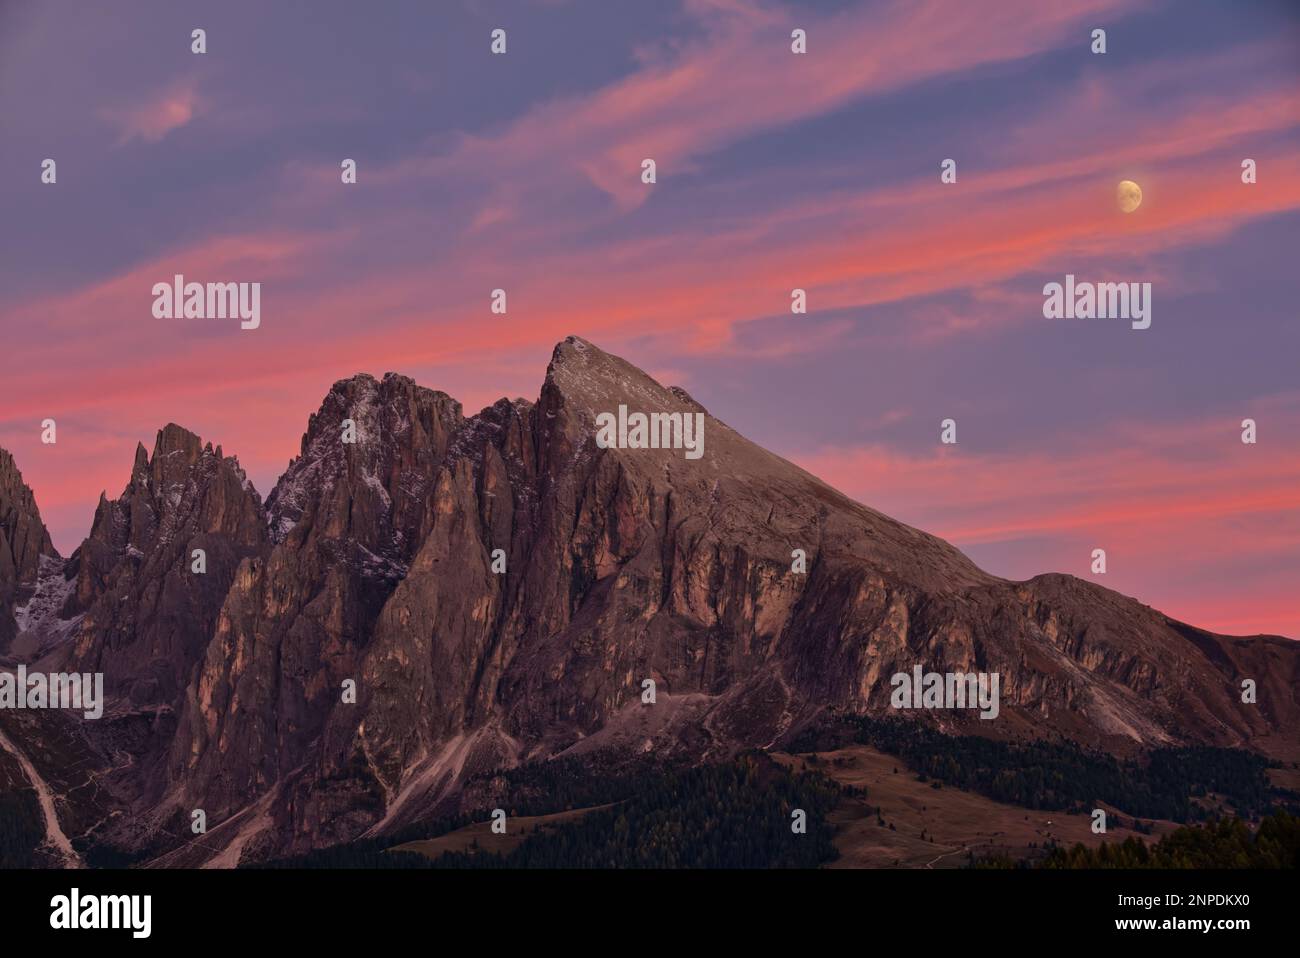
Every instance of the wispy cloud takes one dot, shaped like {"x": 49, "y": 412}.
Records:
{"x": 1173, "y": 505}
{"x": 155, "y": 117}
{"x": 770, "y": 179}
{"x": 738, "y": 78}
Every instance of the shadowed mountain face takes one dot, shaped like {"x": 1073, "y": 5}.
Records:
{"x": 498, "y": 588}
{"x": 24, "y": 541}
{"x": 147, "y": 615}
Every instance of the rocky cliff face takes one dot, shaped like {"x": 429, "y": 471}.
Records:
{"x": 147, "y": 612}
{"x": 444, "y": 595}
{"x": 347, "y": 517}
{"x": 24, "y": 541}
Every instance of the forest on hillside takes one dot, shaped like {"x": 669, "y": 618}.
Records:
{"x": 1169, "y": 783}
{"x": 21, "y": 828}
{"x": 1223, "y": 843}
{"x": 735, "y": 814}
{"x": 732, "y": 815}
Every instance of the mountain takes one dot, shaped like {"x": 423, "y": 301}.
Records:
{"x": 24, "y": 546}
{"x": 147, "y": 618}
{"x": 426, "y": 597}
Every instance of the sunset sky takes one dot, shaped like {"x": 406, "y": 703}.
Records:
{"x": 775, "y": 171}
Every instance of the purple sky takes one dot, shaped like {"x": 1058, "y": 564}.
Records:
{"x": 775, "y": 171}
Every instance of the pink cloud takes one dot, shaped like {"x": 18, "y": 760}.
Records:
{"x": 157, "y": 116}
{"x": 739, "y": 78}
{"x": 1174, "y": 505}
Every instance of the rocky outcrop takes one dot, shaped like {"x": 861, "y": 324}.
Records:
{"x": 621, "y": 565}
{"x": 347, "y": 517}
{"x": 148, "y": 612}
{"x": 24, "y": 541}
{"x": 428, "y": 595}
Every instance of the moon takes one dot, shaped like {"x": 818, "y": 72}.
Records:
{"x": 1129, "y": 195}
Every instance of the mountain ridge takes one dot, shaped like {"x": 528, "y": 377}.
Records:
{"x": 375, "y": 562}
{"x": 24, "y": 546}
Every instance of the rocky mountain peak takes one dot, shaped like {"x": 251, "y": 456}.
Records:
{"x": 183, "y": 497}
{"x": 585, "y": 376}
{"x": 23, "y": 541}
{"x": 20, "y": 519}
{"x": 498, "y": 587}
{"x": 175, "y": 447}
{"x": 365, "y": 462}
{"x": 166, "y": 488}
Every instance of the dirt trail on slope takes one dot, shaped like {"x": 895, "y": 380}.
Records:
{"x": 54, "y": 836}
